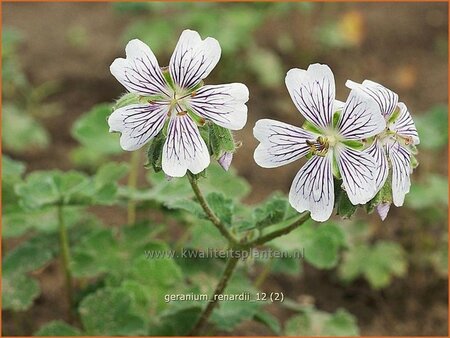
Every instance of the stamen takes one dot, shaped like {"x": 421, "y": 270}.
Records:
{"x": 181, "y": 113}
{"x": 319, "y": 147}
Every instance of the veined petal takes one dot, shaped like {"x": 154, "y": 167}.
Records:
{"x": 401, "y": 170}
{"x": 222, "y": 104}
{"x": 139, "y": 72}
{"x": 313, "y": 93}
{"x": 338, "y": 105}
{"x": 404, "y": 124}
{"x": 281, "y": 143}
{"x": 357, "y": 169}
{"x": 138, "y": 123}
{"x": 184, "y": 148}
{"x": 313, "y": 188}
{"x": 385, "y": 98}
{"x": 360, "y": 117}
{"x": 193, "y": 59}
{"x": 381, "y": 171}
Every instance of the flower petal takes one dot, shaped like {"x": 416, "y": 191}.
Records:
{"x": 184, "y": 148}
{"x": 313, "y": 93}
{"x": 360, "y": 117}
{"x": 357, "y": 169}
{"x": 313, "y": 188}
{"x": 385, "y": 98}
{"x": 381, "y": 171}
{"x": 193, "y": 59}
{"x": 139, "y": 72}
{"x": 401, "y": 170}
{"x": 222, "y": 104}
{"x": 383, "y": 209}
{"x": 281, "y": 143}
{"x": 404, "y": 125}
{"x": 137, "y": 123}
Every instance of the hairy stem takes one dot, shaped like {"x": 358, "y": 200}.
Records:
{"x": 228, "y": 272}
{"x": 302, "y": 218}
{"x": 209, "y": 213}
{"x": 65, "y": 258}
{"x": 132, "y": 183}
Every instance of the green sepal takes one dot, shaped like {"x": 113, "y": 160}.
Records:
{"x": 126, "y": 100}
{"x": 354, "y": 144}
{"x": 394, "y": 115}
{"x": 413, "y": 149}
{"x": 414, "y": 162}
{"x": 311, "y": 127}
{"x": 344, "y": 207}
{"x": 383, "y": 196}
{"x": 197, "y": 86}
{"x": 335, "y": 168}
{"x": 336, "y": 117}
{"x": 200, "y": 121}
{"x": 154, "y": 153}
{"x": 168, "y": 78}
{"x": 220, "y": 141}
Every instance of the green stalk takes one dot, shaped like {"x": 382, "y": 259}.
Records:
{"x": 132, "y": 184}
{"x": 228, "y": 272}
{"x": 65, "y": 259}
{"x": 233, "y": 243}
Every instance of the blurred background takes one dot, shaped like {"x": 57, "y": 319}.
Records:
{"x": 56, "y": 59}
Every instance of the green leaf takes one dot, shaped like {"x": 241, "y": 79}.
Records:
{"x": 321, "y": 244}
{"x": 344, "y": 207}
{"x": 267, "y": 66}
{"x": 178, "y": 322}
{"x": 21, "y": 132}
{"x": 17, "y": 221}
{"x": 318, "y": 323}
{"x": 58, "y": 328}
{"x": 204, "y": 235}
{"x": 154, "y": 154}
{"x": 97, "y": 253}
{"x": 18, "y": 292}
{"x": 38, "y": 190}
{"x": 223, "y": 207}
{"x": 430, "y": 193}
{"x": 274, "y": 210}
{"x": 270, "y": 321}
{"x": 220, "y": 140}
{"x": 378, "y": 263}
{"x": 91, "y": 130}
{"x": 231, "y": 313}
{"x": 432, "y": 128}
{"x": 112, "y": 312}
{"x": 27, "y": 257}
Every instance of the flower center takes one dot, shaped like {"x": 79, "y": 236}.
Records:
{"x": 319, "y": 146}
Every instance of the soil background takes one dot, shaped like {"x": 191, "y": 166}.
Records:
{"x": 398, "y": 49}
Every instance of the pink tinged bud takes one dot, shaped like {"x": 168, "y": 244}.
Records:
{"x": 225, "y": 160}
{"x": 383, "y": 209}
{"x": 168, "y": 178}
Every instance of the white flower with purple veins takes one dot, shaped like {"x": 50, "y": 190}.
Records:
{"x": 396, "y": 142}
{"x": 331, "y": 137}
{"x": 176, "y": 100}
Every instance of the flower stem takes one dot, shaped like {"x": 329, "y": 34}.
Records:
{"x": 302, "y": 218}
{"x": 209, "y": 213}
{"x": 228, "y": 272}
{"x": 65, "y": 259}
{"x": 132, "y": 183}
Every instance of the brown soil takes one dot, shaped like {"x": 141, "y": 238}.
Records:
{"x": 399, "y": 49}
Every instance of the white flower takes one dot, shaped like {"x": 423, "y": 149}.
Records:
{"x": 176, "y": 100}
{"x": 395, "y": 141}
{"x": 328, "y": 140}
